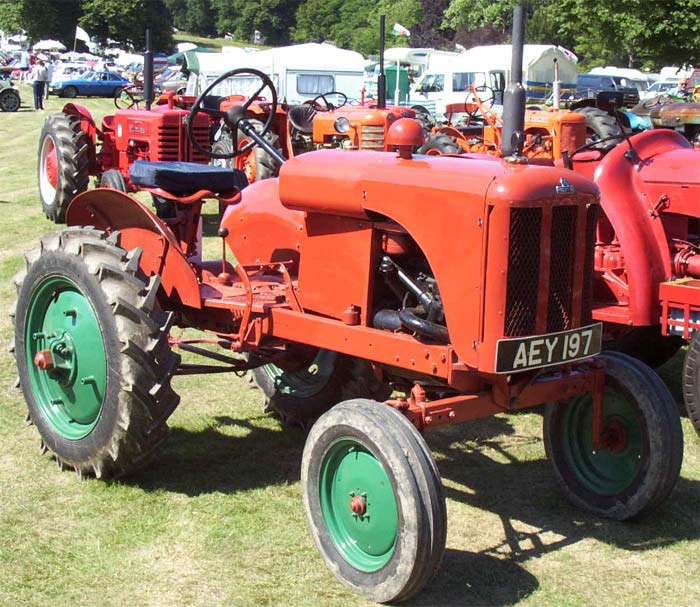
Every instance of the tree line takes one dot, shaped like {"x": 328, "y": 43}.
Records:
{"x": 633, "y": 33}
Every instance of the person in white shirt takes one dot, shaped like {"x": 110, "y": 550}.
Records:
{"x": 39, "y": 77}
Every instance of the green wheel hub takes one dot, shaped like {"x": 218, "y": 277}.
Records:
{"x": 359, "y": 506}
{"x": 610, "y": 470}
{"x": 306, "y": 382}
{"x": 65, "y": 356}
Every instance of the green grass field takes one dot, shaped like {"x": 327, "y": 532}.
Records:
{"x": 217, "y": 519}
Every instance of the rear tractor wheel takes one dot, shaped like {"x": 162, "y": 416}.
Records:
{"x": 299, "y": 397}
{"x": 374, "y": 500}
{"x": 439, "y": 144}
{"x": 92, "y": 353}
{"x": 256, "y": 163}
{"x": 601, "y": 126}
{"x": 63, "y": 164}
{"x": 691, "y": 381}
{"x": 641, "y": 461}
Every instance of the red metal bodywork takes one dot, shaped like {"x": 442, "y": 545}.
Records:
{"x": 133, "y": 134}
{"x": 339, "y": 220}
{"x": 647, "y": 241}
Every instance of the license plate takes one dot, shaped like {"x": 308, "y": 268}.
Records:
{"x": 522, "y": 353}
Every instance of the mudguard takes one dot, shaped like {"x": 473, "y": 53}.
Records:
{"x": 111, "y": 211}
{"x": 638, "y": 228}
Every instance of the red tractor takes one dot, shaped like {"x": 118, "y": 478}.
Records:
{"x": 418, "y": 291}
{"x": 72, "y": 148}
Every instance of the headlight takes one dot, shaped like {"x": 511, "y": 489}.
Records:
{"x": 342, "y": 124}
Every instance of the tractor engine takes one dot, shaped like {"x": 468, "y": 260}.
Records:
{"x": 159, "y": 134}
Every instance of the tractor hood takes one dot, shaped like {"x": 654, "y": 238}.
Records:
{"x": 359, "y": 184}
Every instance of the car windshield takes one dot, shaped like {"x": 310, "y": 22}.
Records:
{"x": 89, "y": 76}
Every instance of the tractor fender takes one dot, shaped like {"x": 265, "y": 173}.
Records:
{"x": 261, "y": 230}
{"x": 111, "y": 211}
{"x": 88, "y": 126}
{"x": 639, "y": 230}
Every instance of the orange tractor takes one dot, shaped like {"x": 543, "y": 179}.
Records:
{"x": 381, "y": 295}
{"x": 326, "y": 122}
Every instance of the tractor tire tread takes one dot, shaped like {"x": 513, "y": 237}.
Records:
{"x": 145, "y": 397}
{"x": 72, "y": 149}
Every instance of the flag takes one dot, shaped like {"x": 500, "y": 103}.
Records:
{"x": 400, "y": 30}
{"x": 81, "y": 34}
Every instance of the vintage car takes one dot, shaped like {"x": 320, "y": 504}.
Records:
{"x": 99, "y": 84}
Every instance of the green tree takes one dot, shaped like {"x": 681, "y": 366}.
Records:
{"x": 632, "y": 32}
{"x": 10, "y": 16}
{"x": 193, "y": 16}
{"x": 41, "y": 18}
{"x": 274, "y": 19}
{"x": 126, "y": 21}
{"x": 354, "y": 24}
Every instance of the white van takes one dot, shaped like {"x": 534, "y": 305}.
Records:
{"x": 490, "y": 66}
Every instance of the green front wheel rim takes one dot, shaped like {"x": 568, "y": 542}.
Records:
{"x": 611, "y": 470}
{"x": 359, "y": 506}
{"x": 63, "y": 331}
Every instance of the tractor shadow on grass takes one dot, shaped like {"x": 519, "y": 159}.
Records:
{"x": 535, "y": 516}
{"x": 470, "y": 578}
{"x": 229, "y": 456}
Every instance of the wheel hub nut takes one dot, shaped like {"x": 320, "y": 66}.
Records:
{"x": 358, "y": 506}
{"x": 44, "y": 360}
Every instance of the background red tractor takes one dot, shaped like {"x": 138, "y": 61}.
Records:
{"x": 460, "y": 285}
{"x": 648, "y": 236}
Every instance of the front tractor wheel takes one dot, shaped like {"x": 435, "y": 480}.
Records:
{"x": 374, "y": 500}
{"x": 299, "y": 396}
{"x": 63, "y": 164}
{"x": 641, "y": 460}
{"x": 92, "y": 353}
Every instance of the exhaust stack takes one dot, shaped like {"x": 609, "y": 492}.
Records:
{"x": 381, "y": 81}
{"x": 148, "y": 72}
{"x": 514, "y": 97}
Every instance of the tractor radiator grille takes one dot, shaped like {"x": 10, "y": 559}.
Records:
{"x": 588, "y": 265}
{"x": 561, "y": 269}
{"x": 173, "y": 143}
{"x": 543, "y": 292}
{"x": 372, "y": 138}
{"x": 523, "y": 271}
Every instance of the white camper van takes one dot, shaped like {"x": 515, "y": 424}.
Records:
{"x": 490, "y": 66}
{"x": 299, "y": 72}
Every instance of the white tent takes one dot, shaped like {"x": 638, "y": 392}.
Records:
{"x": 49, "y": 45}
{"x": 538, "y": 64}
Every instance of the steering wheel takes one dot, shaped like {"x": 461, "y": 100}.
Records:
{"x": 593, "y": 145}
{"x": 486, "y": 100}
{"x": 327, "y": 105}
{"x": 124, "y": 99}
{"x": 234, "y": 114}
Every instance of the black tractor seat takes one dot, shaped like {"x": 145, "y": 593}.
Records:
{"x": 302, "y": 117}
{"x": 186, "y": 177}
